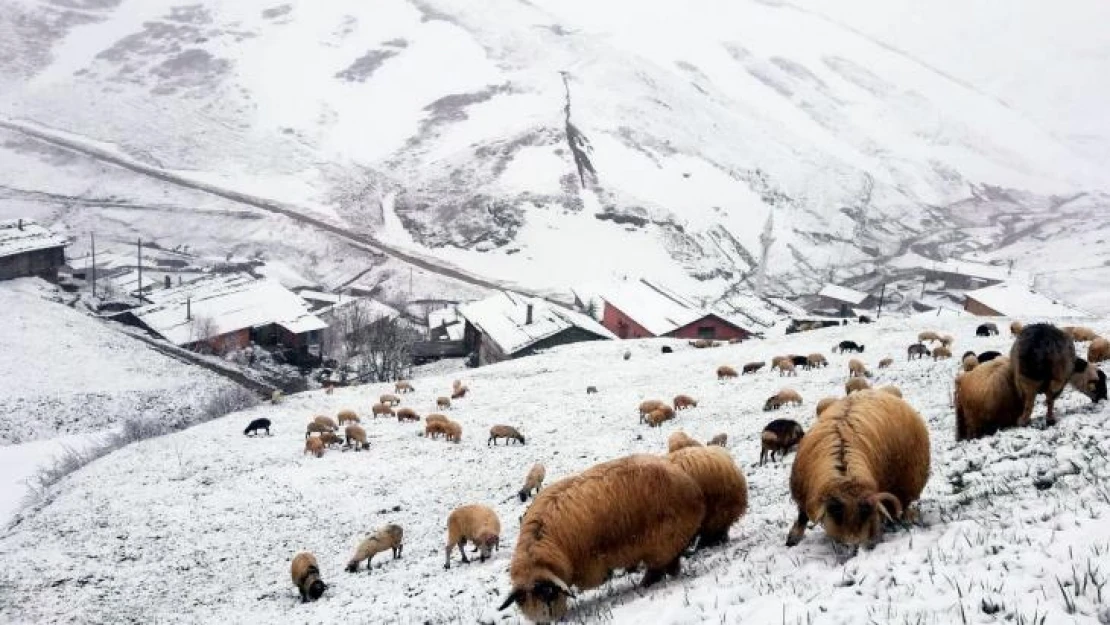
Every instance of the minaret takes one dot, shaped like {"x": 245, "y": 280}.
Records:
{"x": 766, "y": 240}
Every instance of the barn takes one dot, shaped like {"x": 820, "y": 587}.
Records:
{"x": 28, "y": 249}
{"x": 509, "y": 325}
{"x": 1014, "y": 300}
{"x": 642, "y": 309}
{"x": 841, "y": 301}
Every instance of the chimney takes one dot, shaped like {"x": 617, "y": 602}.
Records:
{"x": 168, "y": 283}
{"x": 528, "y": 315}
{"x": 20, "y": 225}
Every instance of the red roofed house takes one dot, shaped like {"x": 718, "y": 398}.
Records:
{"x": 643, "y": 310}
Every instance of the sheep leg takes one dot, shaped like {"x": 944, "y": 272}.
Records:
{"x": 462, "y": 552}
{"x": 1030, "y": 398}
{"x": 447, "y": 554}
{"x": 798, "y": 531}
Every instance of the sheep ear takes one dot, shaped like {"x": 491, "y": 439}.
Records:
{"x": 513, "y": 597}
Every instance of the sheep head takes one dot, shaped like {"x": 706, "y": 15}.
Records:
{"x": 485, "y": 543}
{"x": 544, "y": 601}
{"x": 771, "y": 404}
{"x": 1088, "y": 380}
{"x": 853, "y": 516}
{"x": 316, "y": 589}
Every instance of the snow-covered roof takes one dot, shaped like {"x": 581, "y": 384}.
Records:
{"x": 843, "y": 294}
{"x": 1013, "y": 300}
{"x": 978, "y": 270}
{"x": 449, "y": 320}
{"x": 319, "y": 296}
{"x": 231, "y": 302}
{"x": 747, "y": 309}
{"x": 18, "y": 236}
{"x": 659, "y": 310}
{"x": 502, "y": 319}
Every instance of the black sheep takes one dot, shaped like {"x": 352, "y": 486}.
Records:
{"x": 257, "y": 424}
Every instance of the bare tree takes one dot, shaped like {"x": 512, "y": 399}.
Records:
{"x": 201, "y": 330}
{"x": 375, "y": 349}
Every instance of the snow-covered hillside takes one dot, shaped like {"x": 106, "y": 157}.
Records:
{"x": 200, "y": 526}
{"x": 438, "y": 127}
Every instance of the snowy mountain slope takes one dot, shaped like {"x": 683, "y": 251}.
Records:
{"x": 199, "y": 526}
{"x": 439, "y": 126}
{"x": 65, "y": 373}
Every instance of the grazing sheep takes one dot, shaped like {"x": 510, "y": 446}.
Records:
{"x": 817, "y": 360}
{"x": 355, "y": 434}
{"x": 389, "y": 399}
{"x": 941, "y": 352}
{"x": 751, "y": 367}
{"x": 432, "y": 418}
{"x": 725, "y": 372}
{"x": 682, "y": 402}
{"x": 507, "y": 432}
{"x": 680, "y": 440}
{"x": 1098, "y": 350}
{"x": 315, "y": 428}
{"x": 649, "y": 406}
{"x": 825, "y": 403}
{"x": 886, "y": 362}
{"x": 890, "y": 389}
{"x": 969, "y": 362}
{"x": 591, "y": 390}
{"x": 800, "y": 361}
{"x": 346, "y": 415}
{"x": 986, "y": 329}
{"x": 616, "y": 515}
{"x": 452, "y": 431}
{"x": 1043, "y": 358}
{"x": 987, "y": 400}
{"x": 736, "y": 339}
{"x": 917, "y": 350}
{"x": 776, "y": 361}
{"x": 257, "y": 424}
{"x": 1016, "y": 327}
{"x": 864, "y": 319}
{"x": 387, "y": 537}
{"x": 1089, "y": 380}
{"x": 407, "y": 414}
{"x": 532, "y": 482}
{"x": 1079, "y": 334}
{"x": 779, "y": 436}
{"x": 627, "y": 354}
{"x": 857, "y": 369}
{"x": 987, "y": 356}
{"x": 443, "y": 403}
{"x": 856, "y": 384}
{"x": 434, "y": 429}
{"x": 306, "y": 577}
{"x": 667, "y": 349}
{"x": 478, "y": 524}
{"x": 946, "y": 340}
{"x": 780, "y": 399}
{"x": 723, "y": 487}
{"x": 659, "y": 416}
{"x": 703, "y": 343}
{"x": 330, "y": 438}
{"x": 384, "y": 410}
{"x": 850, "y": 346}
{"x": 928, "y": 335}
{"x": 720, "y": 440}
{"x": 460, "y": 392}
{"x": 314, "y": 446}
{"x": 786, "y": 367}
{"x": 325, "y": 421}
{"x": 866, "y": 460}
{"x": 403, "y": 386}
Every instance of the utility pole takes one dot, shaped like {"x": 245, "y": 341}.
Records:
{"x": 882, "y": 294}
{"x": 92, "y": 240}
{"x": 140, "y": 292}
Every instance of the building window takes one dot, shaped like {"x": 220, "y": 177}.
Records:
{"x": 707, "y": 332}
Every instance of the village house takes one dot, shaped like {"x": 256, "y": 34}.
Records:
{"x": 224, "y": 312}
{"x": 641, "y": 309}
{"x": 508, "y": 325}
{"x": 28, "y": 249}
{"x": 445, "y": 338}
{"x": 967, "y": 275}
{"x": 842, "y": 301}
{"x": 1013, "y": 300}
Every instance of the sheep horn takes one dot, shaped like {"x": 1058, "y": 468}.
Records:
{"x": 513, "y": 597}
{"x": 562, "y": 586}
{"x": 886, "y": 498}
{"x": 817, "y": 518}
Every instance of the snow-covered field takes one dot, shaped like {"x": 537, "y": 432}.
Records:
{"x": 199, "y": 526}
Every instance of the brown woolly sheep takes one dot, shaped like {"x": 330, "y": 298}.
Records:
{"x": 403, "y": 386}
{"x": 825, "y": 403}
{"x": 306, "y": 577}
{"x": 532, "y": 482}
{"x": 786, "y": 367}
{"x": 720, "y": 440}
{"x": 751, "y": 367}
{"x": 327, "y": 422}
{"x": 1079, "y": 334}
{"x": 356, "y": 437}
{"x": 616, "y": 515}
{"x": 1016, "y": 327}
{"x": 684, "y": 401}
{"x": 780, "y": 399}
{"x": 330, "y": 438}
{"x": 856, "y": 384}
{"x": 407, "y": 414}
{"x": 649, "y": 406}
{"x": 659, "y": 416}
{"x": 443, "y": 403}
{"x": 346, "y": 415}
{"x": 680, "y": 440}
{"x": 969, "y": 362}
{"x": 987, "y": 400}
{"x": 703, "y": 343}
{"x": 459, "y": 392}
{"x": 387, "y": 537}
{"x": 434, "y": 429}
{"x": 476, "y": 523}
{"x": 776, "y": 361}
{"x": 886, "y": 362}
{"x": 452, "y": 431}
{"x": 723, "y": 488}
{"x": 890, "y": 389}
{"x": 928, "y": 335}
{"x": 817, "y": 360}
{"x": 1098, "y": 350}
{"x": 389, "y": 399}
{"x": 384, "y": 410}
{"x": 315, "y": 428}
{"x": 867, "y": 459}
{"x": 436, "y": 417}
{"x": 947, "y": 340}
{"x": 856, "y": 368}
{"x": 725, "y": 372}
{"x": 314, "y": 446}
{"x": 507, "y": 432}
{"x": 1043, "y": 358}
{"x": 941, "y": 352}
{"x": 780, "y": 435}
